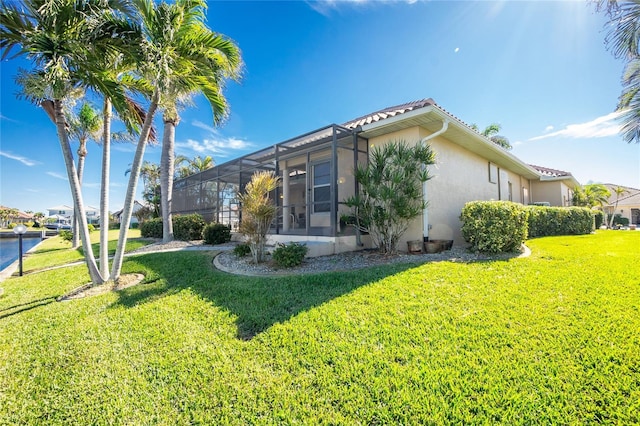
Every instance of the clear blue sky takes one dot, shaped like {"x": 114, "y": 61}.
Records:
{"x": 540, "y": 69}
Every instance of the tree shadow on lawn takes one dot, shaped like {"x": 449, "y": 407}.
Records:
{"x": 257, "y": 302}
{"x": 26, "y": 306}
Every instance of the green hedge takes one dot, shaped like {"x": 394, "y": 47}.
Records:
{"x": 216, "y": 233}
{"x": 188, "y": 227}
{"x": 545, "y": 221}
{"x": 151, "y": 228}
{"x": 494, "y": 226}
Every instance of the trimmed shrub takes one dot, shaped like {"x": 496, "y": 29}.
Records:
{"x": 186, "y": 228}
{"x": 598, "y": 217}
{"x": 11, "y": 225}
{"x": 242, "y": 250}
{"x": 216, "y": 233}
{"x": 289, "y": 255}
{"x": 494, "y": 226}
{"x": 151, "y": 228}
{"x": 545, "y": 221}
{"x": 135, "y": 225}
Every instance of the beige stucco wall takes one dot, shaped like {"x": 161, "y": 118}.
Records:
{"x": 459, "y": 176}
{"x": 551, "y": 192}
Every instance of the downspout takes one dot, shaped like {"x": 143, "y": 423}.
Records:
{"x": 425, "y": 213}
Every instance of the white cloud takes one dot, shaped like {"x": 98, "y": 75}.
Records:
{"x": 600, "y": 127}
{"x": 200, "y": 124}
{"x": 517, "y": 143}
{"x": 57, "y": 175}
{"x": 129, "y": 148}
{"x": 456, "y": 50}
{"x": 220, "y": 146}
{"x": 23, "y": 160}
{"x": 325, "y": 7}
{"x": 548, "y": 128}
{"x": 90, "y": 185}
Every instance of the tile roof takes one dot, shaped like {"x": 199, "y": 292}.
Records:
{"x": 551, "y": 173}
{"x": 388, "y": 112}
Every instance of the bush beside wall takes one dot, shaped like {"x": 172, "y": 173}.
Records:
{"x": 151, "y": 228}
{"x": 546, "y": 221}
{"x": 188, "y": 227}
{"x": 494, "y": 226}
{"x": 216, "y": 233}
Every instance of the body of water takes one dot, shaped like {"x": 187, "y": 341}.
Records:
{"x": 9, "y": 249}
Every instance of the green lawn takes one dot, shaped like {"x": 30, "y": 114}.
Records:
{"x": 549, "y": 339}
{"x": 55, "y": 251}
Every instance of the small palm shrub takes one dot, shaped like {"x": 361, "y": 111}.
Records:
{"x": 151, "y": 228}
{"x": 289, "y": 255}
{"x": 390, "y": 195}
{"x": 216, "y": 233}
{"x": 258, "y": 212}
{"x": 188, "y": 227}
{"x": 241, "y": 250}
{"x": 66, "y": 235}
{"x": 91, "y": 227}
{"x": 494, "y": 226}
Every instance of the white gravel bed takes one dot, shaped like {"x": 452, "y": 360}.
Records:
{"x": 229, "y": 262}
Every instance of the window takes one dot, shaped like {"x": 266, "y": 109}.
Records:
{"x": 510, "y": 191}
{"x": 493, "y": 173}
{"x": 321, "y": 187}
{"x": 525, "y": 196}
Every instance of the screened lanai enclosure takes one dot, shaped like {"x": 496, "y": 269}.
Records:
{"x": 316, "y": 176}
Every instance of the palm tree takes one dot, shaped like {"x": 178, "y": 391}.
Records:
{"x": 592, "y": 195}
{"x": 86, "y": 124}
{"x": 618, "y": 190}
{"x": 195, "y": 165}
{"x": 492, "y": 133}
{"x": 623, "y": 29}
{"x": 60, "y": 37}
{"x": 188, "y": 58}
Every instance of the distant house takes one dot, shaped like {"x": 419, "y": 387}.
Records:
{"x": 316, "y": 175}
{"x": 554, "y": 187}
{"x": 136, "y": 206}
{"x": 19, "y": 217}
{"x": 628, "y": 203}
{"x": 64, "y": 211}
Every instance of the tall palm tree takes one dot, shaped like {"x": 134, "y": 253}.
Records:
{"x": 84, "y": 125}
{"x": 188, "y": 58}
{"x": 60, "y": 36}
{"x": 618, "y": 190}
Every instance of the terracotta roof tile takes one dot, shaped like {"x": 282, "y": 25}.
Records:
{"x": 553, "y": 173}
{"x": 388, "y": 112}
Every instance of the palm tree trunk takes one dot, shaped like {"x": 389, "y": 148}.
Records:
{"x": 166, "y": 177}
{"x": 76, "y": 194}
{"x": 116, "y": 267}
{"x": 104, "y": 188}
{"x": 82, "y": 154}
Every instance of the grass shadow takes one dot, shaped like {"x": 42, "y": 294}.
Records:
{"x": 27, "y": 306}
{"x": 256, "y": 302}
